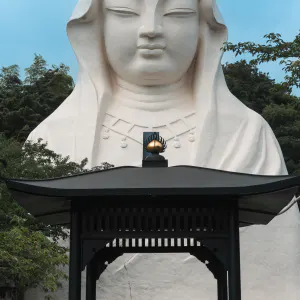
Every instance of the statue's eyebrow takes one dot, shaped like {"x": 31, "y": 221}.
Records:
{"x": 118, "y": 7}
{"x": 180, "y": 4}
{"x": 187, "y": 9}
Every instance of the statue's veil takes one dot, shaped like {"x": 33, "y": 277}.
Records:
{"x": 226, "y": 131}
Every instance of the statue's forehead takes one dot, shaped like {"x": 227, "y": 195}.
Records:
{"x": 167, "y": 3}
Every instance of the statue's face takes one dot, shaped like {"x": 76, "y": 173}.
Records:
{"x": 151, "y": 42}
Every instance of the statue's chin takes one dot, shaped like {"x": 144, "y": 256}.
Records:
{"x": 153, "y": 81}
{"x": 148, "y": 79}
{"x": 149, "y": 72}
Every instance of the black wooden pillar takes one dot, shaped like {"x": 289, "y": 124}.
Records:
{"x": 222, "y": 287}
{"x": 75, "y": 256}
{"x": 91, "y": 280}
{"x": 234, "y": 274}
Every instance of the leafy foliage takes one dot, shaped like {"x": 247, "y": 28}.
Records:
{"x": 30, "y": 255}
{"x": 23, "y": 105}
{"x": 28, "y": 259}
{"x": 275, "y": 49}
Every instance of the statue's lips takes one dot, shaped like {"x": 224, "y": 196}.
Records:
{"x": 151, "y": 50}
{"x": 152, "y": 46}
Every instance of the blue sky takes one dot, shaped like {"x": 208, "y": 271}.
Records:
{"x": 38, "y": 26}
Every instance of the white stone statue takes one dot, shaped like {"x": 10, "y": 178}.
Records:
{"x": 155, "y": 65}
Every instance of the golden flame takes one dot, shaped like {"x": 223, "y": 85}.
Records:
{"x": 155, "y": 146}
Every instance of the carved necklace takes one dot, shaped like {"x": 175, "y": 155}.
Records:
{"x": 171, "y": 130}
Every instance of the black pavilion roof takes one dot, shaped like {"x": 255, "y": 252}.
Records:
{"x": 260, "y": 197}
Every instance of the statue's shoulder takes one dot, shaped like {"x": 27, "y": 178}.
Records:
{"x": 258, "y": 120}
{"x": 50, "y": 128}
{"x": 235, "y": 110}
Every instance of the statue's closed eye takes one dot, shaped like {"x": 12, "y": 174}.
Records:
{"x": 123, "y": 11}
{"x": 180, "y": 13}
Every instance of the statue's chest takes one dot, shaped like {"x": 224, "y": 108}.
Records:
{"x": 121, "y": 142}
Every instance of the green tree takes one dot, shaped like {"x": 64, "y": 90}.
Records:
{"x": 9, "y": 79}
{"x": 275, "y": 49}
{"x": 29, "y": 259}
{"x": 30, "y": 255}
{"x": 36, "y": 71}
{"x": 23, "y": 105}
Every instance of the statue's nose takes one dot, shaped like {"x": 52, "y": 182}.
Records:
{"x": 151, "y": 29}
{"x": 151, "y": 33}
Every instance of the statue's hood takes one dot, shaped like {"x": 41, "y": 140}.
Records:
{"x": 226, "y": 130}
